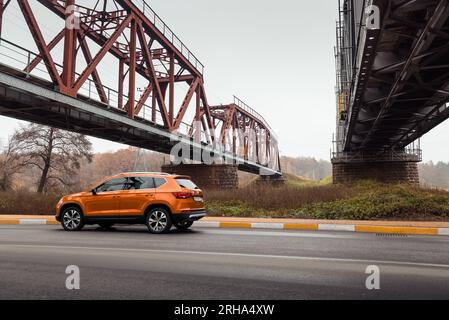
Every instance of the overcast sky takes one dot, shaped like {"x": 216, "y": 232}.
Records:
{"x": 275, "y": 55}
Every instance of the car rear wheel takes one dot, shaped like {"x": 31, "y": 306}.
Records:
{"x": 72, "y": 219}
{"x": 158, "y": 220}
{"x": 184, "y": 225}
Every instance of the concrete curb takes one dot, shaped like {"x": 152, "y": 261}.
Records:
{"x": 328, "y": 227}
{"x": 28, "y": 221}
{"x": 266, "y": 224}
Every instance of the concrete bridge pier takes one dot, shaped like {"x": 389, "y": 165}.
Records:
{"x": 216, "y": 176}
{"x": 390, "y": 167}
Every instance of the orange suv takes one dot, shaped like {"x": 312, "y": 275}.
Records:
{"x": 158, "y": 200}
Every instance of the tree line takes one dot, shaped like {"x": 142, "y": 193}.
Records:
{"x": 45, "y": 159}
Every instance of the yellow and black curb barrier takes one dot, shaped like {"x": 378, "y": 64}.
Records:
{"x": 388, "y": 227}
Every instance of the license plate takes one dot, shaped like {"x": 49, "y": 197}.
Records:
{"x": 198, "y": 199}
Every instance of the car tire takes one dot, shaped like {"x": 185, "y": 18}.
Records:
{"x": 158, "y": 220}
{"x": 106, "y": 225}
{"x": 72, "y": 219}
{"x": 184, "y": 225}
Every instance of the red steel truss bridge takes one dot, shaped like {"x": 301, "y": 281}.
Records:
{"x": 113, "y": 69}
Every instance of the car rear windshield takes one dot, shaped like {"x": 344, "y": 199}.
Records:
{"x": 186, "y": 183}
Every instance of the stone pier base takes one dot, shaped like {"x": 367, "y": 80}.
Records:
{"x": 220, "y": 176}
{"x": 384, "y": 171}
{"x": 271, "y": 181}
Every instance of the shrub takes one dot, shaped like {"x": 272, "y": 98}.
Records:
{"x": 376, "y": 201}
{"x": 26, "y": 202}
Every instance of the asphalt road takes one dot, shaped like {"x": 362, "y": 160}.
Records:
{"x": 129, "y": 263}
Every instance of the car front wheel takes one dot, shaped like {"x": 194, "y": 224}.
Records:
{"x": 158, "y": 220}
{"x": 72, "y": 219}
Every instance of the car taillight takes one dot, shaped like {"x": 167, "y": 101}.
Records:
{"x": 182, "y": 195}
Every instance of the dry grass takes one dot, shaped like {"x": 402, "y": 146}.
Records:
{"x": 271, "y": 201}
{"x": 364, "y": 200}
{"x": 26, "y": 202}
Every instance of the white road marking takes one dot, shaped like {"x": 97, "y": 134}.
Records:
{"x": 230, "y": 254}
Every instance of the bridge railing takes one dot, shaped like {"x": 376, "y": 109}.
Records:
{"x": 254, "y": 113}
{"x": 143, "y": 6}
{"x": 408, "y": 155}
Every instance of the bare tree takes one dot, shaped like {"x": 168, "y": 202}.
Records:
{"x": 56, "y": 154}
{"x": 11, "y": 162}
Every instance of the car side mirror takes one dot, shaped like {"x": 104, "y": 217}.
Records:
{"x": 94, "y": 192}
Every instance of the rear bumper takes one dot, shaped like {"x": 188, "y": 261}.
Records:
{"x": 191, "y": 216}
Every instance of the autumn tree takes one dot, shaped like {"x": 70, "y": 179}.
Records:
{"x": 55, "y": 154}
{"x": 12, "y": 162}
{"x": 111, "y": 163}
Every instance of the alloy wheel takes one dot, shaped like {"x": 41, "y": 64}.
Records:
{"x": 72, "y": 219}
{"x": 157, "y": 221}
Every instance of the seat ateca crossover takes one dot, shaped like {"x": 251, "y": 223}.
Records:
{"x": 158, "y": 200}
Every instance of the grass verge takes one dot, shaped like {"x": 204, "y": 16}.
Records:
{"x": 363, "y": 201}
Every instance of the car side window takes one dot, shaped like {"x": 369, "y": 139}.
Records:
{"x": 159, "y": 182}
{"x": 112, "y": 185}
{"x": 139, "y": 183}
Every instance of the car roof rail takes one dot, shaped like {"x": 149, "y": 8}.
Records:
{"x": 148, "y": 172}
